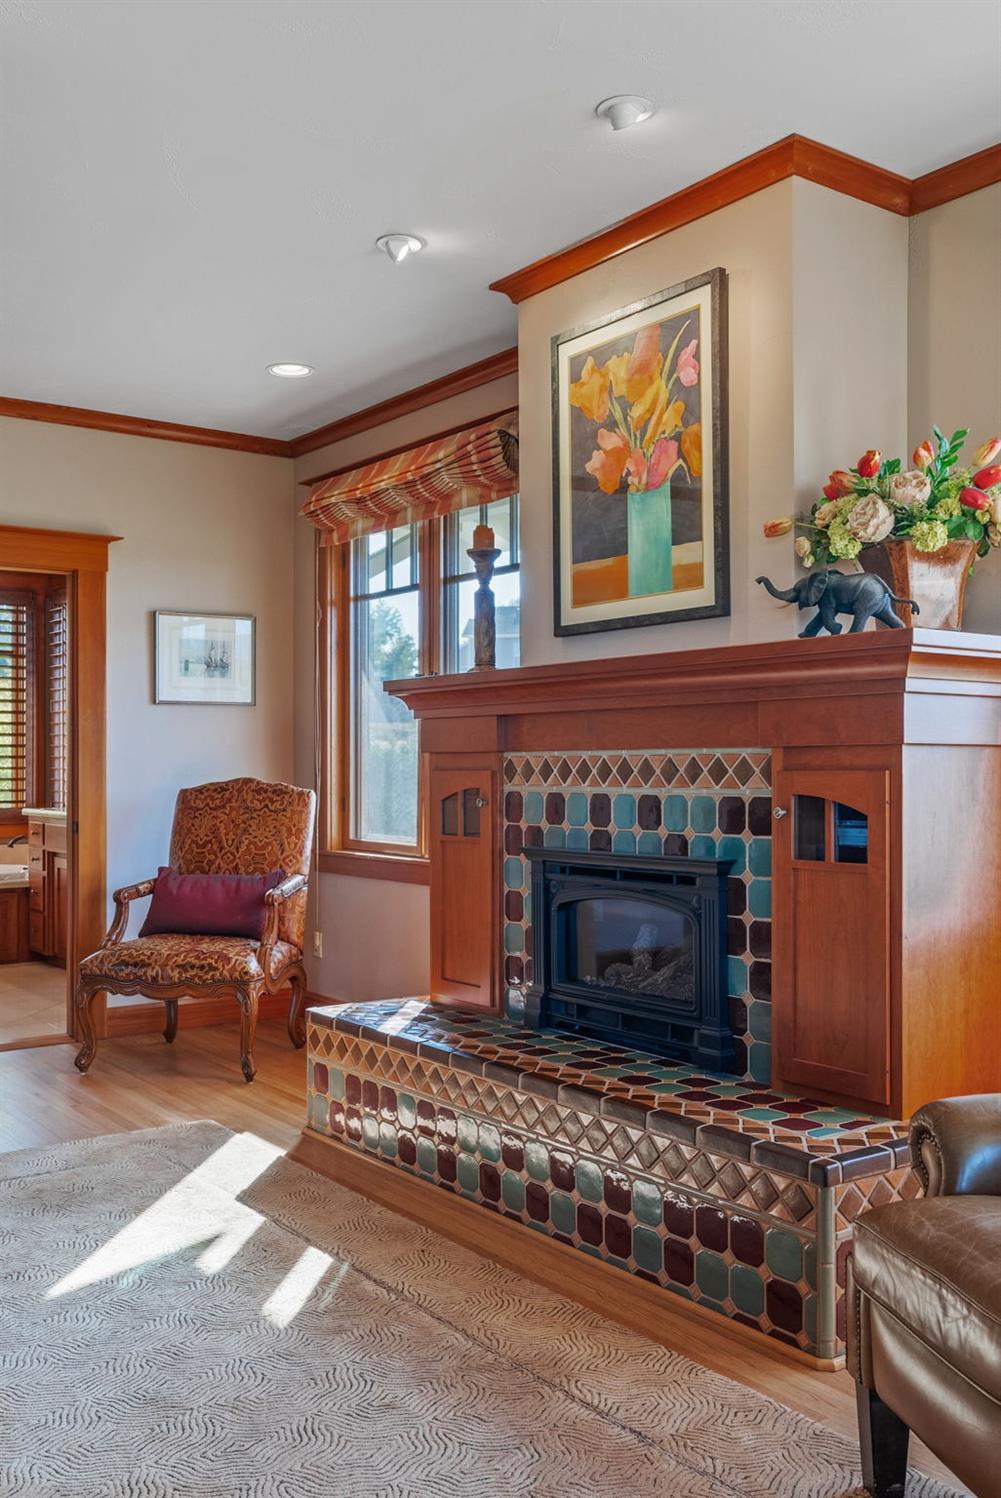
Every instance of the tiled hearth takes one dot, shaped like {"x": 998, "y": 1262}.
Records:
{"x": 703, "y": 803}
{"x": 722, "y": 1192}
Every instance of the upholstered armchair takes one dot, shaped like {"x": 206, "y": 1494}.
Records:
{"x": 227, "y": 827}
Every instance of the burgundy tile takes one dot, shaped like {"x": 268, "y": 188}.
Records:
{"x": 513, "y": 806}
{"x": 352, "y": 1124}
{"x": 784, "y": 1304}
{"x": 760, "y": 980}
{"x": 490, "y": 1182}
{"x": 513, "y": 841}
{"x": 679, "y": 1262}
{"x": 736, "y": 936}
{"x": 648, "y": 813}
{"x": 732, "y": 814}
{"x": 446, "y": 1164}
{"x": 425, "y": 1118}
{"x": 736, "y": 897}
{"x": 407, "y": 1146}
{"x": 556, "y": 808}
{"x": 600, "y": 810}
{"x": 387, "y": 1103}
{"x": 589, "y": 1224}
{"x": 600, "y": 841}
{"x": 759, "y": 816}
{"x": 679, "y": 1215}
{"x": 514, "y": 904}
{"x": 370, "y": 1094}
{"x": 532, "y": 837}
{"x": 336, "y": 1116}
{"x": 512, "y": 1153}
{"x": 561, "y": 1169}
{"x": 747, "y": 1241}
{"x": 710, "y": 1228}
{"x": 760, "y": 940}
{"x": 537, "y": 1202}
{"x": 618, "y": 1192}
{"x": 321, "y": 1076}
{"x": 675, "y": 845}
{"x": 514, "y": 970}
{"x": 618, "y": 1236}
{"x": 352, "y": 1088}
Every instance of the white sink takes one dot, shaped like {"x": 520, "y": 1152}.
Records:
{"x": 13, "y": 875}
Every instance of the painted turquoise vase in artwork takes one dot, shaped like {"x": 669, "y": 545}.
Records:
{"x": 648, "y": 515}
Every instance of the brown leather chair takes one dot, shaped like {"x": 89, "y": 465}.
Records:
{"x": 227, "y": 827}
{"x": 924, "y": 1306}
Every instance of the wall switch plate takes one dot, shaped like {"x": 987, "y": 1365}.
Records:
{"x": 317, "y": 943}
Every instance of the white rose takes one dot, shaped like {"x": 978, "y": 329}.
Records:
{"x": 826, "y": 512}
{"x": 870, "y": 520}
{"x": 911, "y": 488}
{"x": 802, "y": 546}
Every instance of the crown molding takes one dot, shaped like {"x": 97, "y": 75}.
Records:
{"x": 456, "y": 383}
{"x": 141, "y": 426}
{"x": 794, "y": 156}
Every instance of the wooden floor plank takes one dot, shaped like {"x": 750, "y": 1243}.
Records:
{"x": 140, "y": 1082}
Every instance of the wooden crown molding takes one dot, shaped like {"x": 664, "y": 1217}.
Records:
{"x": 24, "y": 547}
{"x": 456, "y": 383}
{"x": 794, "y": 156}
{"x": 141, "y": 426}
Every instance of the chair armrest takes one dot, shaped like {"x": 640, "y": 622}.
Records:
{"x": 272, "y": 900}
{"x": 121, "y": 898}
{"x": 956, "y": 1145}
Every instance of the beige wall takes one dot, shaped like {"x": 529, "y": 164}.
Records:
{"x": 201, "y": 529}
{"x": 375, "y": 933}
{"x": 954, "y": 353}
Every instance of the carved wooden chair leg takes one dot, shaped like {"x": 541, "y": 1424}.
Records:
{"x": 85, "y": 997}
{"x": 247, "y": 999}
{"x": 297, "y": 1011}
{"x": 170, "y": 1028}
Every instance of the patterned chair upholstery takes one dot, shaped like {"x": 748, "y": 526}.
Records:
{"x": 227, "y": 827}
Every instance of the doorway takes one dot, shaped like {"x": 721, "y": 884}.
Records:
{"x": 52, "y": 775}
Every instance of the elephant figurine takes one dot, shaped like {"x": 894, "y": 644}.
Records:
{"x": 861, "y": 594}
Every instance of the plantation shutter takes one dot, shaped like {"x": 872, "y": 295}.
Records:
{"x": 57, "y": 696}
{"x": 16, "y": 639}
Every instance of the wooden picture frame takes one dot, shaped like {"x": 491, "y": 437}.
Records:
{"x": 204, "y": 659}
{"x": 641, "y": 528}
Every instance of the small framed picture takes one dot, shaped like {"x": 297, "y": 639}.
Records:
{"x": 205, "y": 658}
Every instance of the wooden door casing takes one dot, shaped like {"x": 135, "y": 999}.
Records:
{"x": 464, "y": 885}
{"x": 832, "y": 997}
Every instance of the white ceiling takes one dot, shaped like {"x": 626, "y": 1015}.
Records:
{"x": 191, "y": 191}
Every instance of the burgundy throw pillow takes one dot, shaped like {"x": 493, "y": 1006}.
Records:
{"x": 209, "y": 904}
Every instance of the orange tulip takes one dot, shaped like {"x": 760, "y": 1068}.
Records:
{"x": 870, "y": 463}
{"x": 609, "y": 459}
{"x": 987, "y": 452}
{"x": 839, "y": 484}
{"x": 691, "y": 448}
{"x": 670, "y": 421}
{"x": 923, "y": 455}
{"x": 590, "y": 393}
{"x": 773, "y": 528}
{"x": 646, "y": 358}
{"x": 650, "y": 407}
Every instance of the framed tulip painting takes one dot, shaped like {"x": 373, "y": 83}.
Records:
{"x": 640, "y": 463}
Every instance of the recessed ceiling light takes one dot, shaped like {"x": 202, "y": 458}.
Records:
{"x": 291, "y": 371}
{"x": 399, "y": 246}
{"x": 623, "y": 110}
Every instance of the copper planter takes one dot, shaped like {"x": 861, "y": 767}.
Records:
{"x": 936, "y": 580}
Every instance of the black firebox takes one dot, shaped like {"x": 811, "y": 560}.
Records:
{"x": 633, "y": 950}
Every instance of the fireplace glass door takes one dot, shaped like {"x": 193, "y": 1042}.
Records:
{"x": 636, "y": 945}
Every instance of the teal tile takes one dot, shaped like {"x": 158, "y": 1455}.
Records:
{"x": 427, "y": 1158}
{"x": 370, "y": 1133}
{"x": 532, "y": 807}
{"x": 648, "y": 1249}
{"x": 681, "y": 1290}
{"x": 469, "y": 1171}
{"x": 577, "y": 809}
{"x": 589, "y": 1182}
{"x": 675, "y": 813}
{"x": 810, "y": 1264}
{"x": 759, "y": 898}
{"x": 711, "y": 1274}
{"x": 736, "y": 849}
{"x": 784, "y": 1254}
{"x": 666, "y": 1088}
{"x": 759, "y": 1061}
{"x": 467, "y": 1132}
{"x": 562, "y": 1212}
{"x": 577, "y": 839}
{"x": 703, "y": 814}
{"x": 762, "y": 1115}
{"x": 759, "y": 1022}
{"x": 536, "y": 1160}
{"x": 759, "y": 855}
{"x": 624, "y": 811}
{"x": 747, "y": 1290}
{"x": 335, "y": 1084}
{"x": 514, "y": 937}
{"x": 624, "y": 842}
{"x": 648, "y": 1204}
{"x": 736, "y": 977}
{"x": 490, "y": 1142}
{"x": 513, "y": 1191}
{"x": 514, "y": 873}
{"x": 387, "y": 1141}
{"x": 318, "y": 1111}
{"x": 554, "y": 837}
{"x": 709, "y": 1304}
{"x": 702, "y": 847}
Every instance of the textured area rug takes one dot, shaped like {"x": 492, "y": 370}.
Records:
{"x": 183, "y": 1312}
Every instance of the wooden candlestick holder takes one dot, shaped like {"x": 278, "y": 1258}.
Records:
{"x": 484, "y": 559}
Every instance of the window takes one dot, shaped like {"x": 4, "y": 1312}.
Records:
{"x": 17, "y": 616}
{"x": 57, "y": 697}
{"x": 400, "y": 603}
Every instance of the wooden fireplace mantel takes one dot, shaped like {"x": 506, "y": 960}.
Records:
{"x": 883, "y": 978}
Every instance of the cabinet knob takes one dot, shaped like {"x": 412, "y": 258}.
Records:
{"x": 779, "y": 813}
{"x": 481, "y": 800}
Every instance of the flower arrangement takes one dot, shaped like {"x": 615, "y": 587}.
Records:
{"x": 647, "y": 439}
{"x": 931, "y": 504}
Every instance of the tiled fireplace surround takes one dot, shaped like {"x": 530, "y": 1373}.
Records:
{"x": 715, "y": 1188}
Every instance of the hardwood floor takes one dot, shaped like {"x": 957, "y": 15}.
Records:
{"x": 32, "y": 1000}
{"x": 140, "y": 1082}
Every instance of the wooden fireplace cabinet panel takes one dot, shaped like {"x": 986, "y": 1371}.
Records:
{"x": 832, "y": 997}
{"x": 464, "y": 821}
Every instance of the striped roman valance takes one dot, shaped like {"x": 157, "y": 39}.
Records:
{"x": 470, "y": 467}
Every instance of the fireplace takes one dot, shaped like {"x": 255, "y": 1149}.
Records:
{"x": 632, "y": 949}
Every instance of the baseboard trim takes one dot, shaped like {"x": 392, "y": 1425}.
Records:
{"x": 630, "y": 1302}
{"x": 147, "y": 1018}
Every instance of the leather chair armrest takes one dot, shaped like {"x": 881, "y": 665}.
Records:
{"x": 274, "y": 897}
{"x": 121, "y": 898}
{"x": 956, "y": 1145}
